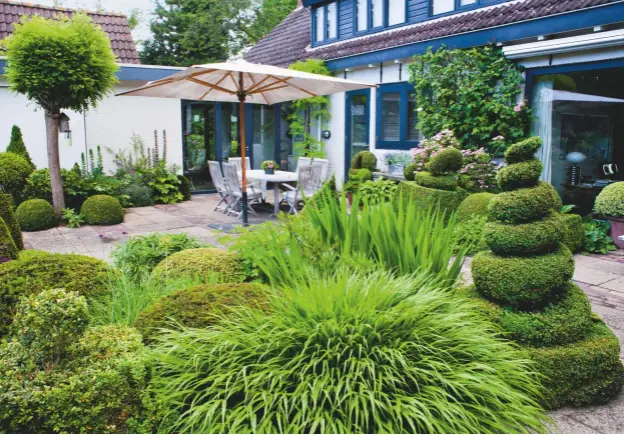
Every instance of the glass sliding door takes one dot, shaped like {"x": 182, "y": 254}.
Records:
{"x": 580, "y": 117}
{"x": 229, "y": 138}
{"x": 198, "y": 143}
{"x": 263, "y": 144}
{"x": 357, "y": 124}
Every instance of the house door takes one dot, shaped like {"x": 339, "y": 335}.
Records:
{"x": 198, "y": 144}
{"x": 357, "y": 125}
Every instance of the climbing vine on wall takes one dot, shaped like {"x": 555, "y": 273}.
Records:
{"x": 472, "y": 92}
{"x": 308, "y": 111}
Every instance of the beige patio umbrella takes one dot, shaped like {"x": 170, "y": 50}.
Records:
{"x": 244, "y": 82}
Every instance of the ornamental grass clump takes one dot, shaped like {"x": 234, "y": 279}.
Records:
{"x": 349, "y": 354}
{"x": 524, "y": 285}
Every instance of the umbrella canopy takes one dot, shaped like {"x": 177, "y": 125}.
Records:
{"x": 260, "y": 84}
{"x": 244, "y": 82}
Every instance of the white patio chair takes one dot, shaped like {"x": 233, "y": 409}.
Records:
{"x": 234, "y": 189}
{"x": 325, "y": 168}
{"x": 219, "y": 182}
{"x": 309, "y": 182}
{"x": 238, "y": 161}
{"x": 303, "y": 161}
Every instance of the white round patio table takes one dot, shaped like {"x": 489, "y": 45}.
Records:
{"x": 274, "y": 179}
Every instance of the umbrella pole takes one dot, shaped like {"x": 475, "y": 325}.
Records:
{"x": 243, "y": 145}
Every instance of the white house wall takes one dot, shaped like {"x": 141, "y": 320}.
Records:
{"x": 110, "y": 125}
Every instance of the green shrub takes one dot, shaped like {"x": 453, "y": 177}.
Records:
{"x": 8, "y": 250}
{"x": 36, "y": 215}
{"x": 473, "y": 206}
{"x": 610, "y": 201}
{"x": 185, "y": 187}
{"x": 469, "y": 235}
{"x": 524, "y": 205}
{"x": 522, "y": 281}
{"x": 410, "y": 171}
{"x": 525, "y": 239}
{"x": 597, "y": 239}
{"x": 6, "y": 213}
{"x": 425, "y": 198}
{"x": 16, "y": 146}
{"x": 519, "y": 175}
{"x": 523, "y": 151}
{"x": 35, "y": 271}
{"x": 588, "y": 372}
{"x": 61, "y": 377}
{"x": 573, "y": 231}
{"x": 445, "y": 161}
{"x": 14, "y": 171}
{"x": 139, "y": 255}
{"x": 201, "y": 263}
{"x": 349, "y": 354}
{"x": 442, "y": 182}
{"x": 566, "y": 318}
{"x": 138, "y": 195}
{"x": 361, "y": 175}
{"x": 102, "y": 210}
{"x": 198, "y": 307}
{"x": 377, "y": 192}
{"x": 364, "y": 160}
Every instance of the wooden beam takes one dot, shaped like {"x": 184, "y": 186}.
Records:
{"x": 267, "y": 89}
{"x": 210, "y": 85}
{"x": 216, "y": 84}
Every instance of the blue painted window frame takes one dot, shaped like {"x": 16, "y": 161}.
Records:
{"x": 405, "y": 89}
{"x": 347, "y": 146}
{"x": 459, "y": 8}
{"x": 369, "y": 18}
{"x": 325, "y": 33}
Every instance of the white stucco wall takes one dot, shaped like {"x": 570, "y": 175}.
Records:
{"x": 111, "y": 124}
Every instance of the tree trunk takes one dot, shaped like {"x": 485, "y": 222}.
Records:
{"x": 54, "y": 161}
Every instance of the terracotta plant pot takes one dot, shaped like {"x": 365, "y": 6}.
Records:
{"x": 617, "y": 230}
{"x": 349, "y": 196}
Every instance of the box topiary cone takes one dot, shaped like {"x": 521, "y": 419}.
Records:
{"x": 527, "y": 271}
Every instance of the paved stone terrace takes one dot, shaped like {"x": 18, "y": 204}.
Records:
{"x": 600, "y": 276}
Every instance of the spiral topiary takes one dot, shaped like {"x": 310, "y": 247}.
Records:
{"x": 102, "y": 210}
{"x": 36, "y": 215}
{"x": 524, "y": 283}
{"x": 410, "y": 171}
{"x": 474, "y": 206}
{"x": 364, "y": 160}
{"x": 8, "y": 250}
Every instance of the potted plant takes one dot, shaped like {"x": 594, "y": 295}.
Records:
{"x": 397, "y": 162}
{"x": 269, "y": 166}
{"x": 610, "y": 204}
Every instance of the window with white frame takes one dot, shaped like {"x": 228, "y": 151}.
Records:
{"x": 373, "y": 14}
{"x": 326, "y": 22}
{"x": 444, "y": 6}
{"x": 397, "y": 117}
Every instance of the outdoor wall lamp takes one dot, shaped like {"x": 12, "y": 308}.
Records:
{"x": 326, "y": 134}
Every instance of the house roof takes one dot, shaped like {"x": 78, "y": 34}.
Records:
{"x": 286, "y": 43}
{"x": 115, "y": 25}
{"x": 289, "y": 41}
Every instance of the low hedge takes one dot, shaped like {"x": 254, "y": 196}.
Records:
{"x": 8, "y": 250}
{"x": 184, "y": 187}
{"x": 527, "y": 238}
{"x": 35, "y": 271}
{"x": 473, "y": 206}
{"x": 523, "y": 151}
{"x": 524, "y": 205}
{"x": 442, "y": 182}
{"x": 447, "y": 160}
{"x": 574, "y": 233}
{"x": 36, "y": 215}
{"x": 7, "y": 214}
{"x": 520, "y": 175}
{"x": 522, "y": 282}
{"x": 426, "y": 198}
{"x": 203, "y": 263}
{"x": 588, "y": 372}
{"x": 198, "y": 307}
{"x": 102, "y": 210}
{"x": 565, "y": 319}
